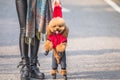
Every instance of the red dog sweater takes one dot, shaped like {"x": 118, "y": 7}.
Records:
{"x": 57, "y": 39}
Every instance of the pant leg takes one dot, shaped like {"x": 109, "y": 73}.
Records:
{"x": 54, "y": 62}
{"x": 21, "y": 7}
{"x": 63, "y": 61}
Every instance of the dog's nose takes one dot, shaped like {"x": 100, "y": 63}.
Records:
{"x": 57, "y": 29}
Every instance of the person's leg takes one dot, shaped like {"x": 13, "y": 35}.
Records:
{"x": 63, "y": 66}
{"x": 54, "y": 70}
{"x": 21, "y": 6}
{"x": 35, "y": 72}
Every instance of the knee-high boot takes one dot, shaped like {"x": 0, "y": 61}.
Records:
{"x": 24, "y": 56}
{"x": 21, "y": 6}
{"x": 35, "y": 72}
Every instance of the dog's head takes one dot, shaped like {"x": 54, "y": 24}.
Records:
{"x": 56, "y": 26}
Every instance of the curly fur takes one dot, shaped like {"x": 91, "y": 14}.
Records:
{"x": 54, "y": 71}
{"x": 63, "y": 72}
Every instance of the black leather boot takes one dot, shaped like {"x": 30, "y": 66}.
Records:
{"x": 25, "y": 69}
{"x": 25, "y": 63}
{"x": 35, "y": 72}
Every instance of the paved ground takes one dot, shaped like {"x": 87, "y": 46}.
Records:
{"x": 93, "y": 51}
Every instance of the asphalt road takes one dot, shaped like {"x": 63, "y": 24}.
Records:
{"x": 93, "y": 51}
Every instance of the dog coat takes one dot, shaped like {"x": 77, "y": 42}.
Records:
{"x": 57, "y": 39}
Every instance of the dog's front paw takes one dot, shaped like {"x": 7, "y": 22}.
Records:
{"x": 48, "y": 46}
{"x": 46, "y": 53}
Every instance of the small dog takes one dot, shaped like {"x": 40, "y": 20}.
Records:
{"x": 57, "y": 33}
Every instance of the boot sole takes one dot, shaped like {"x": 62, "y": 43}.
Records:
{"x": 38, "y": 77}
{"x": 25, "y": 78}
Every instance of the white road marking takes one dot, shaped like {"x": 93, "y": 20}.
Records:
{"x": 113, "y": 4}
{"x": 65, "y": 10}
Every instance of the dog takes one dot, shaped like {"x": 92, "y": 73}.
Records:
{"x": 57, "y": 34}
{"x": 56, "y": 29}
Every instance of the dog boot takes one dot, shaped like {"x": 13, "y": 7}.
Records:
{"x": 53, "y": 73}
{"x": 64, "y": 74}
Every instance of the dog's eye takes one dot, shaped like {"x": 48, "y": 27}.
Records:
{"x": 60, "y": 25}
{"x": 54, "y": 26}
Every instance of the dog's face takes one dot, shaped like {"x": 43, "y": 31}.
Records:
{"x": 57, "y": 25}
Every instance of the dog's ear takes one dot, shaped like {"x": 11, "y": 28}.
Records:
{"x": 65, "y": 33}
{"x": 48, "y": 32}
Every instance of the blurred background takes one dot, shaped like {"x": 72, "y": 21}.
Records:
{"x": 93, "y": 51}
